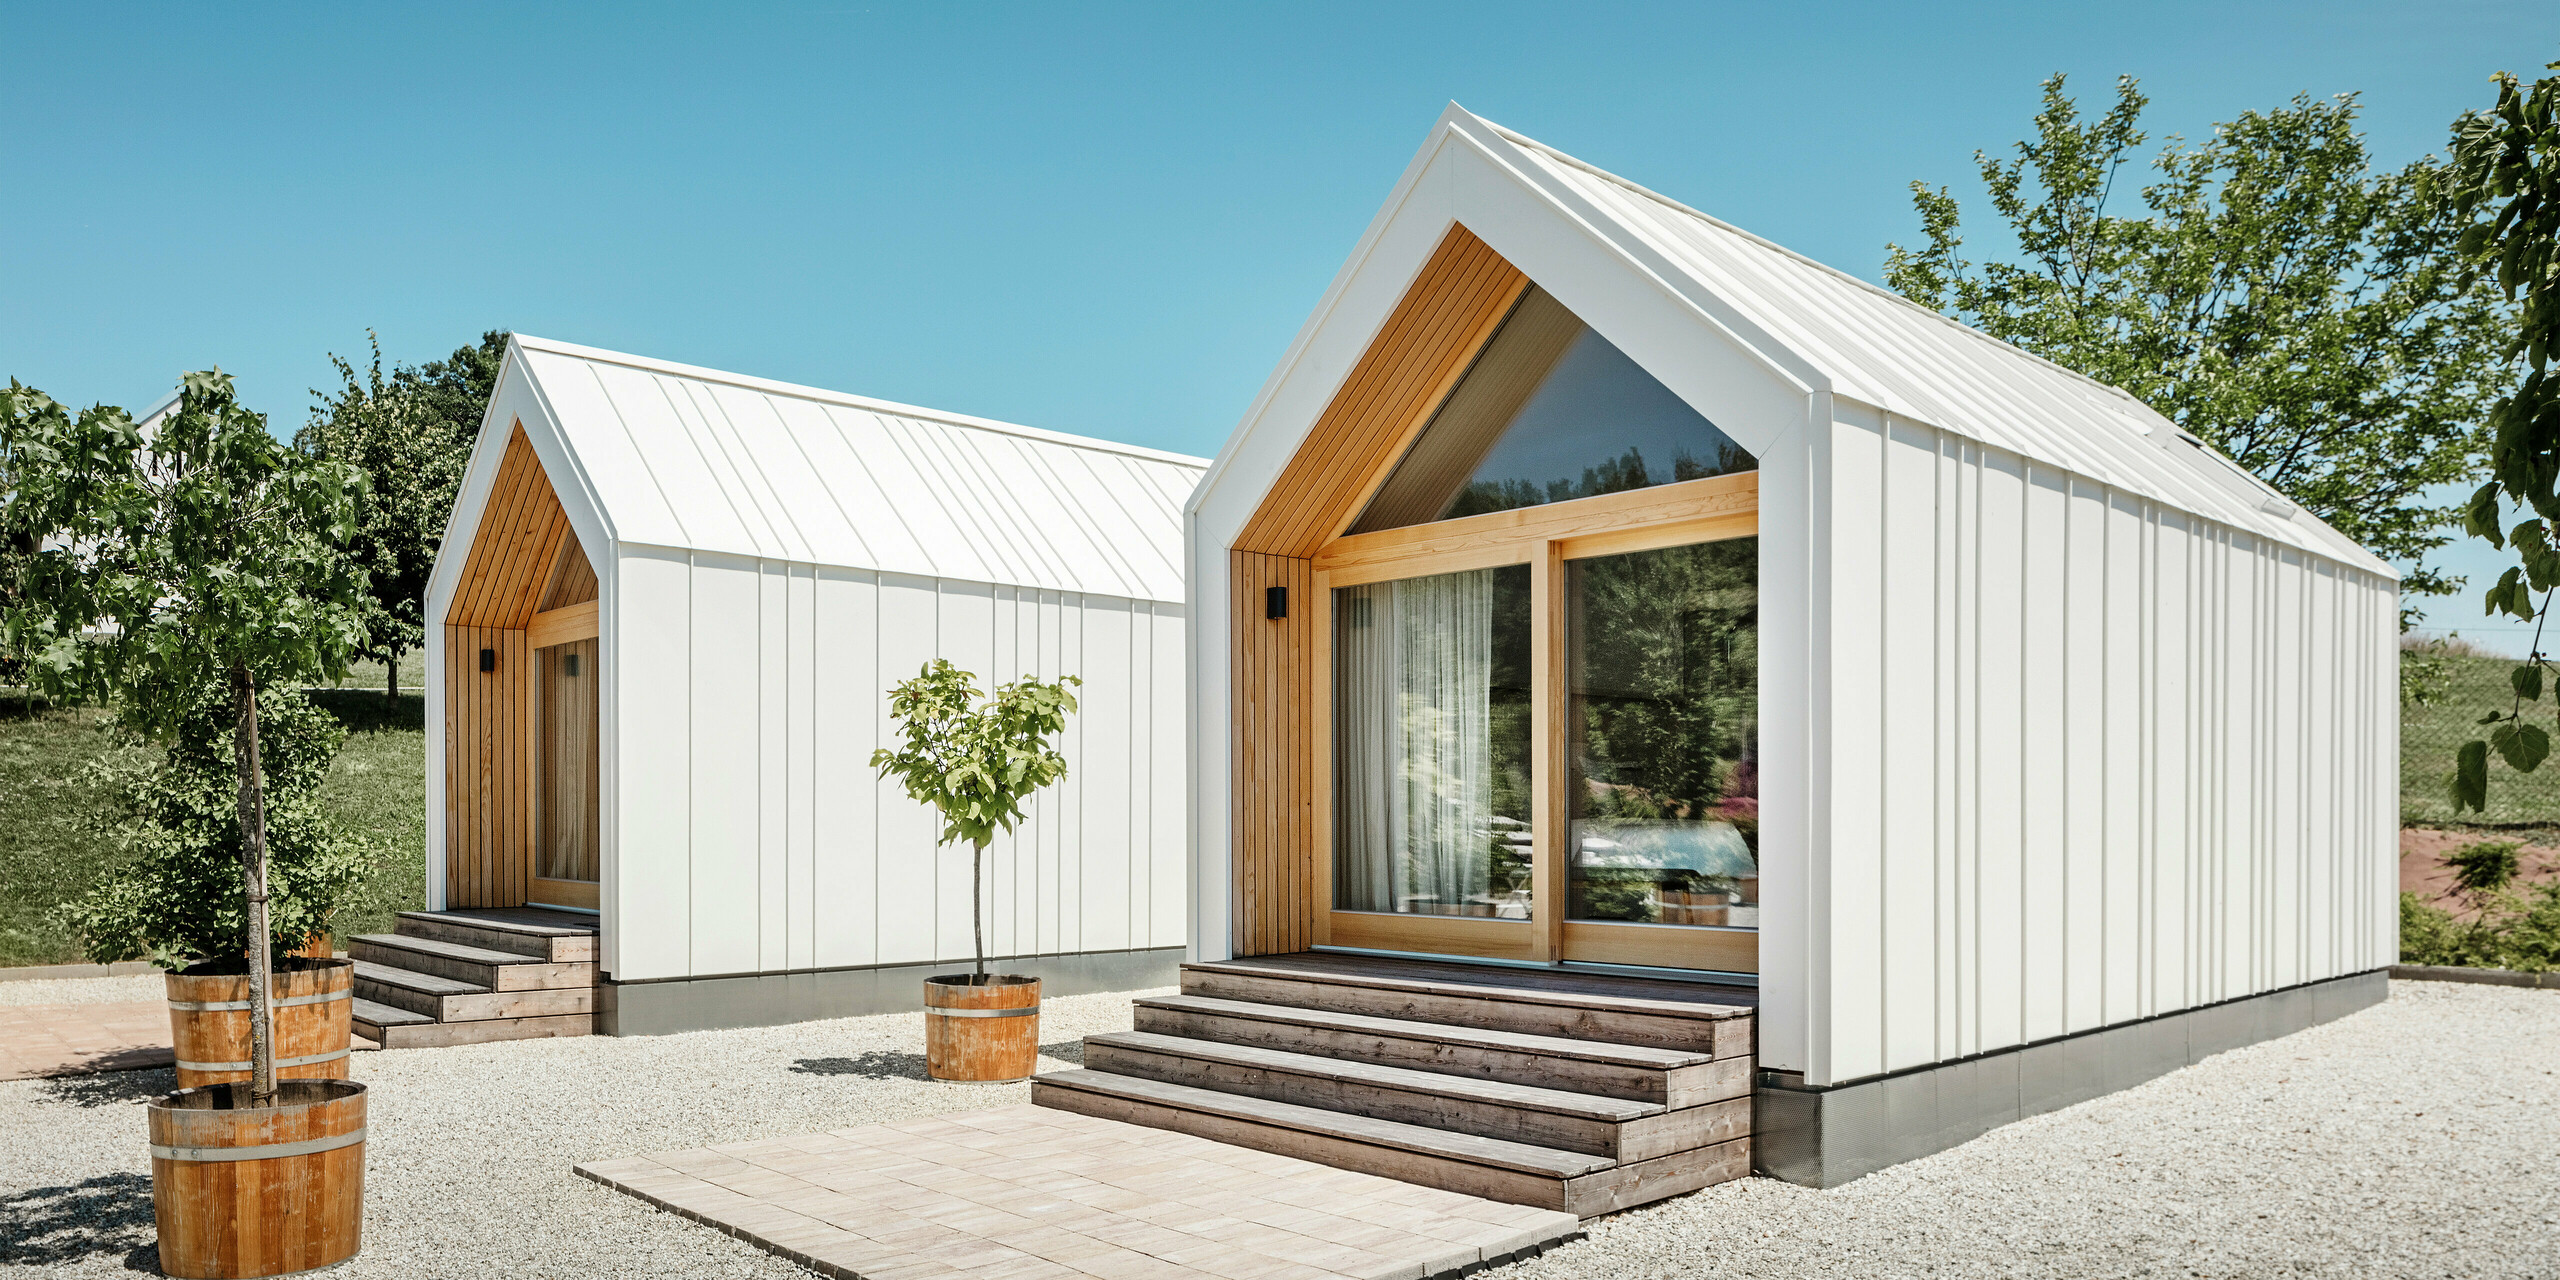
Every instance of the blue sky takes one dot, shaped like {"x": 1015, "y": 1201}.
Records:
{"x": 1105, "y": 220}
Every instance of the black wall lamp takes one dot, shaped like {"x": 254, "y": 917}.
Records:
{"x": 1275, "y": 602}
{"x": 488, "y": 659}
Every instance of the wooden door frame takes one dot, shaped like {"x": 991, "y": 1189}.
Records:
{"x": 564, "y": 625}
{"x": 1547, "y": 538}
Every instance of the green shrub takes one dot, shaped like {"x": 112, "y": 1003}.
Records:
{"x": 179, "y": 899}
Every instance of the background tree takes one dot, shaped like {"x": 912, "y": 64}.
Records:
{"x": 2274, "y": 296}
{"x": 410, "y": 433}
{"x": 2506, "y": 183}
{"x": 21, "y": 408}
{"x": 206, "y": 556}
{"x": 975, "y": 762}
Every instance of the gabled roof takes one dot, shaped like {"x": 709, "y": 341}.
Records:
{"x": 693, "y": 458}
{"x": 1819, "y": 329}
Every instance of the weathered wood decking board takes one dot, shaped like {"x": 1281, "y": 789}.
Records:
{"x": 1027, "y": 1193}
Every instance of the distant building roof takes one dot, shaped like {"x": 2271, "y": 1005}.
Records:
{"x": 687, "y": 457}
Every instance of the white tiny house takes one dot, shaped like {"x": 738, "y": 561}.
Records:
{"x": 1595, "y": 584}
{"x": 669, "y": 607}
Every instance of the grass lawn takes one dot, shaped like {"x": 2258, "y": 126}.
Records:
{"x": 2430, "y": 735}
{"x": 49, "y": 855}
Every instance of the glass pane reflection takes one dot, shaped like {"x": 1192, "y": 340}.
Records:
{"x": 1663, "y": 660}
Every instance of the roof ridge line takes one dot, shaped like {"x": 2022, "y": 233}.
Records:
{"x": 873, "y": 404}
{"x": 1522, "y": 139}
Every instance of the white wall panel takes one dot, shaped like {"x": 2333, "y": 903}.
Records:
{"x": 845, "y": 709}
{"x": 651, "y": 917}
{"x": 773, "y": 759}
{"x": 756, "y": 836}
{"x": 1855, "y": 905}
{"x": 727, "y": 790}
{"x": 2147, "y": 756}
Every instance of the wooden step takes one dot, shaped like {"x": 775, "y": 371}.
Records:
{"x": 1613, "y": 1127}
{"x": 430, "y": 1035}
{"x": 1513, "y": 1172}
{"x": 1486, "y": 998}
{"x": 1672, "y": 1078}
{"x": 448, "y": 1000}
{"x": 521, "y": 933}
{"x": 372, "y": 1020}
{"x": 494, "y": 970}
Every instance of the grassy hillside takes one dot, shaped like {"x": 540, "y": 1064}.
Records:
{"x": 49, "y": 855}
{"x": 2429, "y": 736}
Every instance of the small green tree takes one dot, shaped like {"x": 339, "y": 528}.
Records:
{"x": 975, "y": 761}
{"x": 2506, "y": 181}
{"x": 209, "y": 555}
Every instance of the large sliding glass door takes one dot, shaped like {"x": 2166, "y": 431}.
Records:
{"x": 1541, "y": 672}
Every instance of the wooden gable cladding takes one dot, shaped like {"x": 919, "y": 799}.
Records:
{"x": 1277, "y": 899}
{"x": 519, "y": 555}
{"x": 573, "y": 580}
{"x": 1452, "y": 306}
{"x": 513, "y": 551}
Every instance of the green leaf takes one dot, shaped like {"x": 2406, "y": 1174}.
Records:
{"x": 2469, "y": 782}
{"x": 2527, "y": 681}
{"x": 2523, "y": 746}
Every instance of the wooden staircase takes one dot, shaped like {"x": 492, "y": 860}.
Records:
{"x": 469, "y": 976}
{"x": 1582, "y": 1092}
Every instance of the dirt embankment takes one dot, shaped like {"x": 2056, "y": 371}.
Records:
{"x": 2423, "y": 872}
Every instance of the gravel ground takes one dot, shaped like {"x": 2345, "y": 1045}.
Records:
{"x": 467, "y": 1162}
{"x": 2418, "y": 1138}
{"x": 120, "y": 990}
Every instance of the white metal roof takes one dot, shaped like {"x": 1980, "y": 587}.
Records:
{"x": 1872, "y": 345}
{"x": 680, "y": 456}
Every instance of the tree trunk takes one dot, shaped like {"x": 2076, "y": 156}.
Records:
{"x": 392, "y": 665}
{"x": 977, "y": 926}
{"x": 253, "y": 877}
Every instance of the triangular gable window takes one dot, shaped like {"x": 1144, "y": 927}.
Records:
{"x": 1549, "y": 412}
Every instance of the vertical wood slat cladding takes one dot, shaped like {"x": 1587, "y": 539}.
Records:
{"x": 573, "y": 580}
{"x": 516, "y": 558}
{"x": 485, "y": 836}
{"x": 1453, "y": 305}
{"x": 512, "y": 552}
{"x": 1277, "y": 897}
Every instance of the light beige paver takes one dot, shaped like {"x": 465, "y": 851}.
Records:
{"x": 1027, "y": 1193}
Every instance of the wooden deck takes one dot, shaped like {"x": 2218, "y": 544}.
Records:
{"x": 1026, "y": 1193}
{"x": 1572, "y": 1090}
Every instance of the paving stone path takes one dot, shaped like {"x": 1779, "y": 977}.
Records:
{"x": 1028, "y": 1193}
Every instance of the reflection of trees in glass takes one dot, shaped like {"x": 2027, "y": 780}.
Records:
{"x": 1666, "y": 660}
{"x": 1616, "y": 475}
{"x": 1511, "y": 625}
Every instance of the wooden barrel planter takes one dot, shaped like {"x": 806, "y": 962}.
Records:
{"x": 982, "y": 1033}
{"x": 314, "y": 1001}
{"x": 258, "y": 1191}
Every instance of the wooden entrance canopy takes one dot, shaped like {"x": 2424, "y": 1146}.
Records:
{"x": 1296, "y": 541}
{"x": 526, "y": 585}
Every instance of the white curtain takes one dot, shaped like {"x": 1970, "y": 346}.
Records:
{"x": 1413, "y": 724}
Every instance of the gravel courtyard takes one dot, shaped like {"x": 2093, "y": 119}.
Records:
{"x": 2418, "y": 1138}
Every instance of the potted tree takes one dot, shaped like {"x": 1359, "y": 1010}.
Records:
{"x": 177, "y": 902}
{"x": 207, "y": 556}
{"x": 975, "y": 761}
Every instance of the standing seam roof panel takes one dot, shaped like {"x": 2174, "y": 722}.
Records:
{"x": 697, "y": 459}
{"x": 1912, "y": 363}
